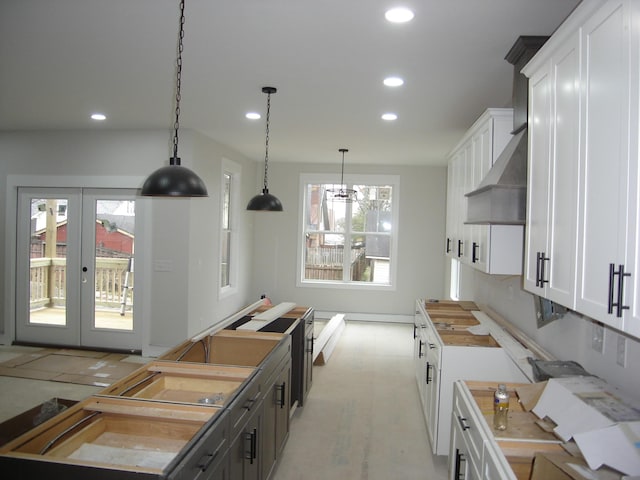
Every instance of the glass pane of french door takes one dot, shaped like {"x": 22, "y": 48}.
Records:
{"x": 48, "y": 229}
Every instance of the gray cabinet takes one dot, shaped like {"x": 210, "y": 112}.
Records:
{"x": 245, "y": 449}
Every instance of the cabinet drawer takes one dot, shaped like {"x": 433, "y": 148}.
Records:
{"x": 244, "y": 404}
{"x": 470, "y": 425}
{"x": 207, "y": 454}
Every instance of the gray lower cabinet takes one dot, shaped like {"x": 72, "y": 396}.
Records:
{"x": 245, "y": 451}
{"x": 275, "y": 423}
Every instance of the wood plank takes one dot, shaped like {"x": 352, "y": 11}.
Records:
{"x": 328, "y": 339}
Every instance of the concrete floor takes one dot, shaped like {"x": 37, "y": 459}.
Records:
{"x": 362, "y": 419}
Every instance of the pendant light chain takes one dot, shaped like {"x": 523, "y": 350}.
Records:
{"x": 266, "y": 142}
{"x": 176, "y": 124}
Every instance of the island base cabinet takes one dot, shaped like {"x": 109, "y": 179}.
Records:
{"x": 245, "y": 449}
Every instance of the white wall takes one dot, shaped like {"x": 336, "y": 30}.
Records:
{"x": 568, "y": 338}
{"x": 421, "y": 263}
{"x": 183, "y": 232}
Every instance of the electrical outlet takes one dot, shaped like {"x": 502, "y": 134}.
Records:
{"x": 621, "y": 358}
{"x": 597, "y": 337}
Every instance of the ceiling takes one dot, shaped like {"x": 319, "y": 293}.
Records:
{"x": 61, "y": 60}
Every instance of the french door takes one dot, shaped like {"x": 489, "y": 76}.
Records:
{"x": 75, "y": 268}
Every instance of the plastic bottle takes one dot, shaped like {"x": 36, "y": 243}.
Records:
{"x": 500, "y": 407}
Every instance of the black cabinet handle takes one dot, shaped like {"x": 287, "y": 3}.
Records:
{"x": 206, "y": 461}
{"x": 612, "y": 274}
{"x": 474, "y": 252}
{"x": 420, "y": 352}
{"x": 414, "y": 331}
{"x": 448, "y": 248}
{"x": 459, "y": 248}
{"x": 538, "y": 269}
{"x": 463, "y": 423}
{"x": 458, "y": 474}
{"x": 619, "y": 304}
{"x": 543, "y": 269}
{"x": 252, "y": 439}
{"x": 428, "y": 379}
{"x": 283, "y": 390}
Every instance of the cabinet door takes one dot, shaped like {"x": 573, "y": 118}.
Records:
{"x": 551, "y": 239}
{"x": 244, "y": 452}
{"x": 275, "y": 421}
{"x": 604, "y": 186}
{"x": 539, "y": 132}
{"x": 432, "y": 391}
{"x": 460, "y": 462}
{"x": 560, "y": 255}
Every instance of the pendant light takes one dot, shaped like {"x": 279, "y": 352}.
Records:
{"x": 175, "y": 180}
{"x": 342, "y": 194}
{"x": 265, "y": 201}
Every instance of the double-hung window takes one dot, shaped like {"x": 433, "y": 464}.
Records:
{"x": 350, "y": 243}
{"x": 228, "y": 227}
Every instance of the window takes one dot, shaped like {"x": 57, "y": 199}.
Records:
{"x": 228, "y": 228}
{"x": 349, "y": 243}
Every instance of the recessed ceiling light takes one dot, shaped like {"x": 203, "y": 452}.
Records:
{"x": 393, "y": 81}
{"x": 98, "y": 116}
{"x": 389, "y": 116}
{"x": 399, "y": 15}
{"x": 253, "y": 116}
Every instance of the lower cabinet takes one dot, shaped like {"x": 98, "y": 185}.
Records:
{"x": 275, "y": 423}
{"x": 245, "y": 449}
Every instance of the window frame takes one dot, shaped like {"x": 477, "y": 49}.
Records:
{"x": 234, "y": 170}
{"x": 350, "y": 179}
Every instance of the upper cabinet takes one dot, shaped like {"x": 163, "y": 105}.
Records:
{"x": 494, "y": 249}
{"x": 552, "y": 186}
{"x": 583, "y": 205}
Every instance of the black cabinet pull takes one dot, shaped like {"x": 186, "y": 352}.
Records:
{"x": 543, "y": 269}
{"x": 251, "y": 438}
{"x": 206, "y": 461}
{"x": 420, "y": 352}
{"x": 619, "y": 304}
{"x": 254, "y": 445}
{"x": 414, "y": 331}
{"x": 458, "y": 474}
{"x": 612, "y": 274}
{"x": 283, "y": 390}
{"x": 448, "y": 248}
{"x": 459, "y": 248}
{"x": 474, "y": 252}
{"x": 463, "y": 423}
{"x": 538, "y": 269}
{"x": 428, "y": 379}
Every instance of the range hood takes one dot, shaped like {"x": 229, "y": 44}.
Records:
{"x": 501, "y": 197}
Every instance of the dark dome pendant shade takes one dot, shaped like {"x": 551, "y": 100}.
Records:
{"x": 265, "y": 201}
{"x": 175, "y": 180}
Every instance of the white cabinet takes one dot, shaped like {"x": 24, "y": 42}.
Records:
{"x": 585, "y": 85}
{"x": 474, "y": 453}
{"x": 607, "y": 279}
{"x": 444, "y": 354}
{"x": 495, "y": 249}
{"x": 552, "y": 190}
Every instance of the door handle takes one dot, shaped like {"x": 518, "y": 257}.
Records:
{"x": 543, "y": 269}
{"x": 429, "y": 379}
{"x": 474, "y": 254}
{"x": 448, "y": 248}
{"x": 459, "y": 248}
{"x": 420, "y": 353}
{"x": 282, "y": 389}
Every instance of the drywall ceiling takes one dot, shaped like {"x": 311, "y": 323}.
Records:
{"x": 61, "y": 60}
